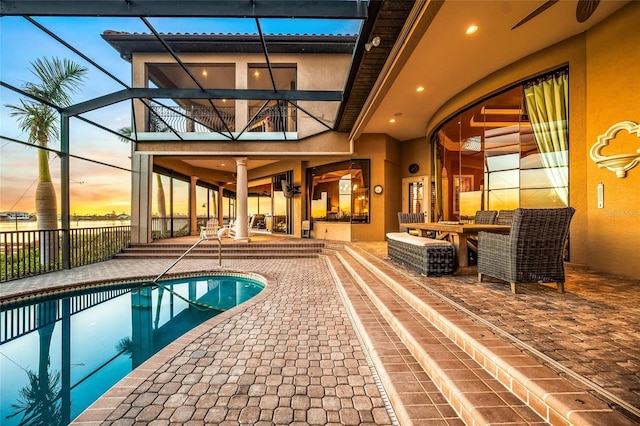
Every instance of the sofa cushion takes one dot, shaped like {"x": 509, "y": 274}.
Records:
{"x": 415, "y": 240}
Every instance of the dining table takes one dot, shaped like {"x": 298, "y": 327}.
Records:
{"x": 457, "y": 233}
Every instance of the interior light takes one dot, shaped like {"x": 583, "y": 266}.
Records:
{"x": 224, "y": 101}
{"x": 393, "y": 120}
{"x": 204, "y": 73}
{"x": 420, "y": 89}
{"x": 472, "y": 29}
{"x": 257, "y": 73}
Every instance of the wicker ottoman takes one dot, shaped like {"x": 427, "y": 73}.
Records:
{"x": 420, "y": 254}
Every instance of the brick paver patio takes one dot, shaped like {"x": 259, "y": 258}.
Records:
{"x": 291, "y": 356}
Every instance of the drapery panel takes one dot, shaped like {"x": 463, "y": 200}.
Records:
{"x": 547, "y": 101}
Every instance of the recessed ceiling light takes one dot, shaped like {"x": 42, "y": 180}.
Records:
{"x": 472, "y": 29}
{"x": 393, "y": 120}
{"x": 420, "y": 89}
{"x": 397, "y": 114}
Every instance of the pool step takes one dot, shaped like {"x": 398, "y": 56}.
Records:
{"x": 208, "y": 250}
{"x": 483, "y": 377}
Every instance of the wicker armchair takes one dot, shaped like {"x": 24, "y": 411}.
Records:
{"x": 505, "y": 217}
{"x": 486, "y": 217}
{"x": 404, "y": 217}
{"x": 532, "y": 252}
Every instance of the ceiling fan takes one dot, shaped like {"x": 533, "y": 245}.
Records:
{"x": 584, "y": 10}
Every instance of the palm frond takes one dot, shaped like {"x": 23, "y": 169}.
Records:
{"x": 39, "y": 401}
{"x": 59, "y": 78}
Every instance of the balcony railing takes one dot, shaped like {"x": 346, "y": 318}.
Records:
{"x": 273, "y": 119}
{"x": 205, "y": 119}
{"x": 193, "y": 119}
{"x": 26, "y": 253}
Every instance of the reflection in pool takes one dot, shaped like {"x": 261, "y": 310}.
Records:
{"x": 57, "y": 356}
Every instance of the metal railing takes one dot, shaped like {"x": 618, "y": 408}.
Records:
{"x": 170, "y": 227}
{"x": 273, "y": 119}
{"x": 193, "y": 119}
{"x": 26, "y": 253}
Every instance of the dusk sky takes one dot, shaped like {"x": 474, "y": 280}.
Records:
{"x": 95, "y": 189}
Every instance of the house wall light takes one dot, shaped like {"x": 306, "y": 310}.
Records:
{"x": 620, "y": 164}
{"x": 375, "y": 42}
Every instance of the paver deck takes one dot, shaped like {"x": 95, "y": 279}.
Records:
{"x": 291, "y": 355}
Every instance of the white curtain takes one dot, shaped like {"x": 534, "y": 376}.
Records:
{"x": 547, "y": 101}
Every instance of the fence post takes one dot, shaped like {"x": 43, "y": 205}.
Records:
{"x": 65, "y": 214}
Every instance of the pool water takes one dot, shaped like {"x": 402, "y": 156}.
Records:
{"x": 57, "y": 356}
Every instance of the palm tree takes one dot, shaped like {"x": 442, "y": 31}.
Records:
{"x": 57, "y": 80}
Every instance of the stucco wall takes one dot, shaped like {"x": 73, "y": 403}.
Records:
{"x": 613, "y": 82}
{"x": 415, "y": 151}
{"x": 603, "y": 89}
{"x": 314, "y": 72}
{"x": 384, "y": 153}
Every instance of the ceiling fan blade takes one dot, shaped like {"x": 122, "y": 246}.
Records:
{"x": 544, "y": 6}
{"x": 585, "y": 9}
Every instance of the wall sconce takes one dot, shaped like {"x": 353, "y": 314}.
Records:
{"x": 375, "y": 42}
{"x": 620, "y": 164}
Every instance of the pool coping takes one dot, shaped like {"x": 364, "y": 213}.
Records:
{"x": 35, "y": 294}
{"x": 102, "y": 407}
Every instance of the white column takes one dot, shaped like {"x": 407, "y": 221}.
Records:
{"x": 219, "y": 201}
{"x": 242, "y": 191}
{"x": 193, "y": 208}
{"x": 141, "y": 189}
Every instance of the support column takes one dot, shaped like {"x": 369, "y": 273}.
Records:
{"x": 219, "y": 201}
{"x": 242, "y": 192}
{"x": 193, "y": 208}
{"x": 141, "y": 189}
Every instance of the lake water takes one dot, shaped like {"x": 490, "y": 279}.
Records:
{"x": 28, "y": 225}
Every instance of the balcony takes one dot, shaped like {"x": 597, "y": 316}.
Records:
{"x": 197, "y": 119}
{"x": 273, "y": 119}
{"x": 201, "y": 119}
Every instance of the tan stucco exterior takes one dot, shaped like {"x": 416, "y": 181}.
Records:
{"x": 604, "y": 83}
{"x": 613, "y": 82}
{"x": 604, "y": 86}
{"x": 314, "y": 72}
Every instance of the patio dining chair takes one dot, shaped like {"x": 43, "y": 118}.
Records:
{"x": 404, "y": 217}
{"x": 505, "y": 217}
{"x": 533, "y": 251}
{"x": 484, "y": 217}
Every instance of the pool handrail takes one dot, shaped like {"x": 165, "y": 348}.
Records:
{"x": 155, "y": 280}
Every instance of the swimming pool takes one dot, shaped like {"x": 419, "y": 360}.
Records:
{"x": 58, "y": 355}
